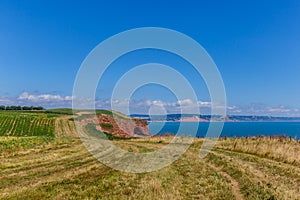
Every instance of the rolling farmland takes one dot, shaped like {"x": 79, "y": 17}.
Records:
{"x": 35, "y": 167}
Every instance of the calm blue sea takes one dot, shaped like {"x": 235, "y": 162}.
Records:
{"x": 231, "y": 129}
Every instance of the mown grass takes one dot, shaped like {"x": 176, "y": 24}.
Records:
{"x": 60, "y": 167}
{"x": 74, "y": 174}
{"x": 9, "y": 144}
{"x": 63, "y": 169}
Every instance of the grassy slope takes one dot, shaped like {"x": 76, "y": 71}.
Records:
{"x": 61, "y": 168}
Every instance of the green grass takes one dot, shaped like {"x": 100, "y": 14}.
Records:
{"x": 106, "y": 126}
{"x": 65, "y": 111}
{"x": 8, "y": 144}
{"x": 60, "y": 167}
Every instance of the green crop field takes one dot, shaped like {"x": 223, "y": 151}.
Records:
{"x": 17, "y": 123}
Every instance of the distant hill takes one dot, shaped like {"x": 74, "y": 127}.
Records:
{"x": 207, "y": 118}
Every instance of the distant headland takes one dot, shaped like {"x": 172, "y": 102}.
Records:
{"x": 208, "y": 118}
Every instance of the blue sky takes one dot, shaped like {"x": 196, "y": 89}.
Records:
{"x": 255, "y": 44}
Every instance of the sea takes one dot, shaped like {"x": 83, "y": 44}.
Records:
{"x": 230, "y": 129}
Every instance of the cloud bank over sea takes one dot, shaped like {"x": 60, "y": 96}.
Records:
{"x": 138, "y": 106}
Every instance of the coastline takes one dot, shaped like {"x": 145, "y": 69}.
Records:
{"x": 170, "y": 121}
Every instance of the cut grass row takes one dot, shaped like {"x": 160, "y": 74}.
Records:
{"x": 65, "y": 170}
{"x": 11, "y": 144}
{"x": 61, "y": 168}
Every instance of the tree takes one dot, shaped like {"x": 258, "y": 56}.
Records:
{"x": 26, "y": 108}
{"x": 21, "y": 108}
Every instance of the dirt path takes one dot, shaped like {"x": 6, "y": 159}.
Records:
{"x": 235, "y": 185}
{"x": 282, "y": 180}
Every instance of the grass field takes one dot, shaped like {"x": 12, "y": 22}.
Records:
{"x": 18, "y": 123}
{"x": 41, "y": 167}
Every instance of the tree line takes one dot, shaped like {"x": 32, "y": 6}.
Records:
{"x": 21, "y": 108}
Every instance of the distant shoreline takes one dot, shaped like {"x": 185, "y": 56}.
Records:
{"x": 222, "y": 121}
{"x": 210, "y": 118}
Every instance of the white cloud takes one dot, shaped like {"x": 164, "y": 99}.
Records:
{"x": 186, "y": 102}
{"x": 280, "y": 109}
{"x": 43, "y": 97}
{"x": 5, "y": 100}
{"x": 144, "y": 106}
{"x": 204, "y": 103}
{"x": 262, "y": 109}
{"x": 231, "y": 107}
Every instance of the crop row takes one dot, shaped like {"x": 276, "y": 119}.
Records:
{"x": 26, "y": 125}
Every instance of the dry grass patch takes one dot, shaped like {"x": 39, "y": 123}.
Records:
{"x": 281, "y": 149}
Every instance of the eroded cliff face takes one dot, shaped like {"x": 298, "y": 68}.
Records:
{"x": 120, "y": 126}
{"x": 123, "y": 127}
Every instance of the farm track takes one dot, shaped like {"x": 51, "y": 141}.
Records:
{"x": 234, "y": 183}
{"x": 281, "y": 178}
